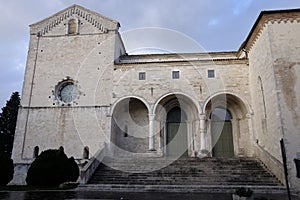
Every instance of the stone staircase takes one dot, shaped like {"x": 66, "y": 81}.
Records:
{"x": 186, "y": 174}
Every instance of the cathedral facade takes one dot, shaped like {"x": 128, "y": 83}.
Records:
{"x": 83, "y": 92}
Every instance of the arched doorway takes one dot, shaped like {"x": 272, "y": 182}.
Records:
{"x": 221, "y": 131}
{"x": 176, "y": 132}
{"x": 227, "y": 126}
{"x": 177, "y": 118}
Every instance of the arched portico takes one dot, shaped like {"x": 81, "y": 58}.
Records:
{"x": 226, "y": 119}
{"x": 129, "y": 127}
{"x": 177, "y": 123}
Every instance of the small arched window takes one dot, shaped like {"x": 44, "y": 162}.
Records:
{"x": 36, "y": 152}
{"x": 72, "y": 27}
{"x": 86, "y": 153}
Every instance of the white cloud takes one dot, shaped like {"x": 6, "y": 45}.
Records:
{"x": 241, "y": 5}
{"x": 213, "y": 22}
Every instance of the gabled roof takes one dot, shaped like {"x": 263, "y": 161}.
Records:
{"x": 269, "y": 16}
{"x": 99, "y": 21}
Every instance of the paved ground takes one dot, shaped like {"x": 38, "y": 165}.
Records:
{"x": 82, "y": 195}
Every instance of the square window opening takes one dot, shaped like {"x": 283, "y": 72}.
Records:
{"x": 175, "y": 74}
{"x": 142, "y": 76}
{"x": 211, "y": 73}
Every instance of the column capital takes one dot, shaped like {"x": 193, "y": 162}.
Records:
{"x": 151, "y": 117}
{"x": 249, "y": 115}
{"x": 202, "y": 117}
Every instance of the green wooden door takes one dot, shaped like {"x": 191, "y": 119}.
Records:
{"x": 222, "y": 139}
{"x": 176, "y": 139}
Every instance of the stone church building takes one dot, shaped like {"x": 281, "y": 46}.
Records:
{"x": 83, "y": 92}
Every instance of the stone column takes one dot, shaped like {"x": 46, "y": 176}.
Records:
{"x": 151, "y": 132}
{"x": 111, "y": 133}
{"x": 203, "y": 148}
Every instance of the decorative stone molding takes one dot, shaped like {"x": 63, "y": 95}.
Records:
{"x": 103, "y": 24}
{"x": 146, "y": 59}
{"x": 292, "y": 16}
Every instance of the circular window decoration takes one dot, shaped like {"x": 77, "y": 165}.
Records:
{"x": 67, "y": 91}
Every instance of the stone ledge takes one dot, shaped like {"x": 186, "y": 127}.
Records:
{"x": 180, "y": 188}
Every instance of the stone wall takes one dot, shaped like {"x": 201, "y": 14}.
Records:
{"x": 274, "y": 62}
{"x": 266, "y": 118}
{"x": 88, "y": 60}
{"x": 84, "y": 57}
{"x": 72, "y": 128}
{"x": 230, "y": 75}
{"x": 285, "y": 45}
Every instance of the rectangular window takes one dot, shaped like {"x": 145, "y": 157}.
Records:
{"x": 175, "y": 74}
{"x": 142, "y": 76}
{"x": 211, "y": 73}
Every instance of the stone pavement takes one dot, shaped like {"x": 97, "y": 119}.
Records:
{"x": 60, "y": 195}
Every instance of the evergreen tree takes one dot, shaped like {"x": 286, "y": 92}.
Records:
{"x": 8, "y": 120}
{"x": 6, "y": 169}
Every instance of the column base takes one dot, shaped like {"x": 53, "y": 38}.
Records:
{"x": 153, "y": 153}
{"x": 203, "y": 153}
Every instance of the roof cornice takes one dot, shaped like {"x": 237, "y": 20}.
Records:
{"x": 272, "y": 16}
{"x": 181, "y": 58}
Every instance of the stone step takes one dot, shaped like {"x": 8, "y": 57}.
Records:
{"x": 180, "y": 188}
{"x": 189, "y": 178}
{"x": 122, "y": 175}
{"x": 208, "y": 163}
{"x": 187, "y": 171}
{"x": 249, "y": 183}
{"x": 184, "y": 181}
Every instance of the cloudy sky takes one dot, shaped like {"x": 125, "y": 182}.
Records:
{"x": 217, "y": 25}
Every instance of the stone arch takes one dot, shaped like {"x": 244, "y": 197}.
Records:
{"x": 128, "y": 97}
{"x": 180, "y": 94}
{"x": 129, "y": 126}
{"x": 239, "y": 111}
{"x": 189, "y": 108}
{"x": 242, "y": 101}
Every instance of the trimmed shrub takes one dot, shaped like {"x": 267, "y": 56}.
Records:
{"x": 52, "y": 168}
{"x": 6, "y": 169}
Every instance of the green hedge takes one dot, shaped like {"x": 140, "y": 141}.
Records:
{"x": 6, "y": 169}
{"x": 51, "y": 168}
